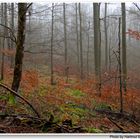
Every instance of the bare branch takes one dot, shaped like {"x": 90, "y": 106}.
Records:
{"x": 19, "y": 96}
{"x": 136, "y": 6}
{"x": 29, "y": 6}
{"x": 27, "y": 51}
{"x": 8, "y": 37}
{"x": 11, "y": 31}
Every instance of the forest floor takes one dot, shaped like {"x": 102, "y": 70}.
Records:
{"x": 68, "y": 108}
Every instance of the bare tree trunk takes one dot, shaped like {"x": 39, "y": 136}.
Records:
{"x": 97, "y": 48}
{"x": 120, "y": 71}
{"x": 77, "y": 37}
{"x": 81, "y": 45}
{"x": 2, "y": 42}
{"x": 22, "y": 8}
{"x": 88, "y": 49}
{"x": 4, "y": 22}
{"x": 109, "y": 52}
{"x": 6, "y": 32}
{"x": 88, "y": 55}
{"x": 12, "y": 27}
{"x": 65, "y": 42}
{"x": 124, "y": 62}
{"x": 52, "y": 76}
{"x": 99, "y": 51}
{"x": 106, "y": 38}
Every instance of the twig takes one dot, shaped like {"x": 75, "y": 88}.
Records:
{"x": 9, "y": 38}
{"x": 10, "y": 31}
{"x": 135, "y": 122}
{"x": 119, "y": 126}
{"x": 29, "y": 6}
{"x": 27, "y": 51}
{"x": 19, "y": 96}
{"x": 136, "y": 6}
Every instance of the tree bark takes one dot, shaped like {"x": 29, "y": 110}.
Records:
{"x": 65, "y": 43}
{"x": 2, "y": 42}
{"x": 52, "y": 76}
{"x": 22, "y": 8}
{"x": 106, "y": 38}
{"x": 77, "y": 36}
{"x": 12, "y": 28}
{"x": 124, "y": 61}
{"x": 120, "y": 71}
{"x": 88, "y": 40}
{"x": 81, "y": 45}
{"x": 97, "y": 48}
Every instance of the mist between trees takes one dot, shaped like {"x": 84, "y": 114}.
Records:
{"x": 98, "y": 41}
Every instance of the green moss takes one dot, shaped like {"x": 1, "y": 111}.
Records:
{"x": 42, "y": 91}
{"x": 75, "y": 112}
{"x": 94, "y": 102}
{"x": 92, "y": 113}
{"x": 93, "y": 130}
{"x": 103, "y": 106}
{"x": 76, "y": 93}
{"x": 12, "y": 99}
{"x": 3, "y": 97}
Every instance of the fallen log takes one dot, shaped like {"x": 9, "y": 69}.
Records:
{"x": 19, "y": 96}
{"x": 118, "y": 115}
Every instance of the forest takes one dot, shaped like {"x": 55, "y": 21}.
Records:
{"x": 70, "y": 67}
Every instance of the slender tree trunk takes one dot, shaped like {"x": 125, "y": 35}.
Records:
{"x": 81, "y": 45}
{"x": 2, "y": 42}
{"x": 5, "y": 22}
{"x": 77, "y": 37}
{"x": 124, "y": 62}
{"x": 52, "y": 76}
{"x": 109, "y": 51}
{"x": 22, "y": 8}
{"x": 106, "y": 38}
{"x": 12, "y": 27}
{"x": 88, "y": 56}
{"x": 7, "y": 40}
{"x": 120, "y": 71}
{"x": 65, "y": 42}
{"x": 97, "y": 48}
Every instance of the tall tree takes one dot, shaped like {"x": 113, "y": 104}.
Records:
{"x": 77, "y": 35}
{"x": 22, "y": 9}
{"x": 12, "y": 28}
{"x": 81, "y": 45}
{"x": 120, "y": 70}
{"x": 124, "y": 60}
{"x": 97, "y": 48}
{"x": 52, "y": 26}
{"x": 65, "y": 42}
{"x": 2, "y": 42}
{"x": 88, "y": 39}
{"x": 106, "y": 37}
{"x": 5, "y": 39}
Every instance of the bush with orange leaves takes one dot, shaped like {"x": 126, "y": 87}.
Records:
{"x": 29, "y": 81}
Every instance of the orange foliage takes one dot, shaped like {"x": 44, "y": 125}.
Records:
{"x": 8, "y": 52}
{"x": 29, "y": 80}
{"x": 134, "y": 34}
{"x": 57, "y": 94}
